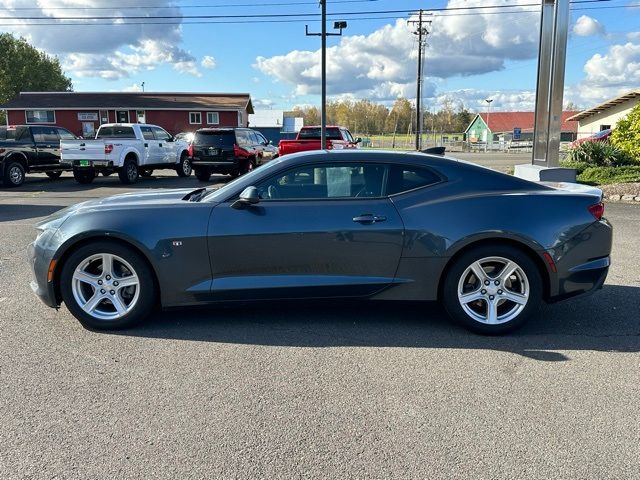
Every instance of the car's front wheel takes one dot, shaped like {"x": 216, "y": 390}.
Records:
{"x": 14, "y": 174}
{"x": 492, "y": 289}
{"x": 184, "y": 168}
{"x": 106, "y": 285}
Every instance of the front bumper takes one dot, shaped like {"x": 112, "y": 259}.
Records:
{"x": 39, "y": 256}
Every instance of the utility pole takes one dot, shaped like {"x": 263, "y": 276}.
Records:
{"x": 489, "y": 131}
{"x": 422, "y": 32}
{"x": 323, "y": 56}
{"x": 142, "y": 85}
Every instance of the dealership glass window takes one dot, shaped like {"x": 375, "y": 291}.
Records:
{"x": 326, "y": 181}
{"x": 240, "y": 119}
{"x": 213, "y": 118}
{"x": 122, "y": 116}
{"x": 41, "y": 116}
{"x": 605, "y": 127}
{"x": 141, "y": 116}
{"x": 104, "y": 116}
{"x": 195, "y": 118}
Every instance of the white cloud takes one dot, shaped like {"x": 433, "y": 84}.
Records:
{"x": 106, "y": 51}
{"x": 208, "y": 62}
{"x": 381, "y": 65}
{"x": 136, "y": 87}
{"x": 586, "y": 26}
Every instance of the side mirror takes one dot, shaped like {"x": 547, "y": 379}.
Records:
{"x": 248, "y": 197}
{"x": 270, "y": 142}
{"x": 359, "y": 140}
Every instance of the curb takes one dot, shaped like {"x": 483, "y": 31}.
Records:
{"x": 623, "y": 198}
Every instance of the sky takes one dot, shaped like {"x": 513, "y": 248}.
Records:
{"x": 472, "y": 53}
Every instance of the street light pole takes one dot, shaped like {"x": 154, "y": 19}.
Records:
{"x": 489, "y": 132}
{"x": 323, "y": 66}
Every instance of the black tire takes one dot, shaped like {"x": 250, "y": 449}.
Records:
{"x": 146, "y": 293}
{"x": 54, "y": 174}
{"x": 184, "y": 168}
{"x": 147, "y": 172}
{"x": 247, "y": 165}
{"x": 202, "y": 174}
{"x": 454, "y": 280}
{"x": 14, "y": 174}
{"x": 129, "y": 172}
{"x": 106, "y": 173}
{"x": 84, "y": 176}
{"x": 234, "y": 173}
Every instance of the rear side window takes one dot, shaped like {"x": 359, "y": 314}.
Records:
{"x": 219, "y": 138}
{"x": 45, "y": 135}
{"x": 116, "y": 132}
{"x": 65, "y": 134}
{"x": 147, "y": 134}
{"x": 403, "y": 178}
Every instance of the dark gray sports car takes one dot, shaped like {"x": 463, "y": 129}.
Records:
{"x": 376, "y": 225}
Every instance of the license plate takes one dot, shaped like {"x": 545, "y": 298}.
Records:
{"x": 213, "y": 151}
{"x": 84, "y": 163}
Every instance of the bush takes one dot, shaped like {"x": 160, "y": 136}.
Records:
{"x": 608, "y": 175}
{"x": 626, "y": 135}
{"x": 599, "y": 154}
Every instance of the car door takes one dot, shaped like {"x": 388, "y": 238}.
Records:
{"x": 166, "y": 145}
{"x": 151, "y": 145}
{"x": 319, "y": 230}
{"x": 48, "y": 145}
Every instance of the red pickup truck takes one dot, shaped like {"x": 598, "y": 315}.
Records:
{"x": 309, "y": 139}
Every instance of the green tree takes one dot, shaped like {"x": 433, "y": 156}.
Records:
{"x": 24, "y": 69}
{"x": 401, "y": 117}
{"x": 626, "y": 134}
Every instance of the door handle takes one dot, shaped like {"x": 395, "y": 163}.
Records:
{"x": 368, "y": 218}
{"x": 160, "y": 144}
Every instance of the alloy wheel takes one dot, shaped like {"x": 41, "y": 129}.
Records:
{"x": 493, "y": 290}
{"x": 15, "y": 175}
{"x": 105, "y": 286}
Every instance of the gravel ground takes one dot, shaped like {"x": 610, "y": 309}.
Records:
{"x": 621, "y": 189}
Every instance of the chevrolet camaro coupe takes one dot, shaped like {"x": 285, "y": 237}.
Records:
{"x": 327, "y": 224}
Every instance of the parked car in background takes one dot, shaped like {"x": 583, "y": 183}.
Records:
{"x": 601, "y": 136}
{"x": 131, "y": 149}
{"x": 338, "y": 138}
{"x": 184, "y": 136}
{"x": 385, "y": 226}
{"x": 269, "y": 150}
{"x": 231, "y": 151}
{"x": 30, "y": 149}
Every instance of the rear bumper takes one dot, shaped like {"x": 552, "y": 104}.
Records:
{"x": 95, "y": 164}
{"x": 582, "y": 263}
{"x": 232, "y": 162}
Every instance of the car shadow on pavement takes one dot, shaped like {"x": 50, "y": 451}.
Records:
{"x": 12, "y": 213}
{"x": 605, "y": 321}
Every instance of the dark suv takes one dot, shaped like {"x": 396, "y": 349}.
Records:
{"x": 231, "y": 151}
{"x": 29, "y": 149}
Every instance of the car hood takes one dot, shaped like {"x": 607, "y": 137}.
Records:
{"x": 123, "y": 200}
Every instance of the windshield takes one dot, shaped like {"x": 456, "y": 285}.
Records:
{"x": 247, "y": 180}
{"x": 313, "y": 133}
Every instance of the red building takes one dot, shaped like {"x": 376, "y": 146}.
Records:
{"x": 82, "y": 113}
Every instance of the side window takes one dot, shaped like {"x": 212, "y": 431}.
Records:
{"x": 253, "y": 137}
{"x": 347, "y": 136}
{"x": 325, "y": 181}
{"x": 242, "y": 137}
{"x": 403, "y": 178}
{"x": 160, "y": 134}
{"x": 65, "y": 134}
{"x": 147, "y": 134}
{"x": 45, "y": 135}
{"x": 261, "y": 139}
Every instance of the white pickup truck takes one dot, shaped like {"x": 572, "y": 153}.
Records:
{"x": 131, "y": 149}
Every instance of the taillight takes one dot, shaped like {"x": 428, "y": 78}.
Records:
{"x": 597, "y": 210}
{"x": 108, "y": 148}
{"x": 190, "y": 150}
{"x": 2, "y": 150}
{"x": 239, "y": 152}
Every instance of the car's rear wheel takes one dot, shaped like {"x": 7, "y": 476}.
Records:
{"x": 184, "y": 168}
{"x": 247, "y": 165}
{"x": 14, "y": 174}
{"x": 492, "y": 289}
{"x": 147, "y": 172}
{"x": 107, "y": 286}
{"x": 84, "y": 176}
{"x": 129, "y": 172}
{"x": 54, "y": 174}
{"x": 202, "y": 174}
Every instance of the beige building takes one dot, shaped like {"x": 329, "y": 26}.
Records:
{"x": 606, "y": 115}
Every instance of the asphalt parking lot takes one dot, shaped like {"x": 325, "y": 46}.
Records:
{"x": 288, "y": 390}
